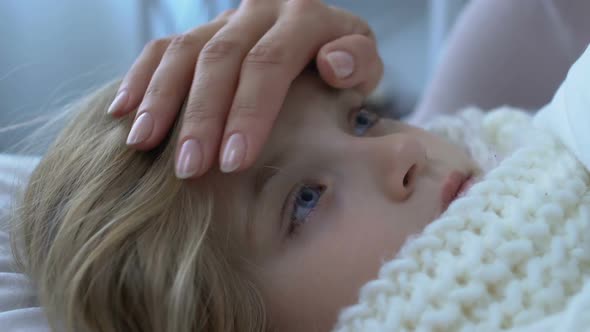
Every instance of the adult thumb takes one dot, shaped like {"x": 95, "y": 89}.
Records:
{"x": 351, "y": 62}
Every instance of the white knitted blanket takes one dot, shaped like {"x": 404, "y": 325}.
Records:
{"x": 512, "y": 254}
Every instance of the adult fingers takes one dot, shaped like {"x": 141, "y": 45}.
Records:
{"x": 268, "y": 71}
{"x": 214, "y": 86}
{"x": 351, "y": 62}
{"x": 169, "y": 86}
{"x": 136, "y": 80}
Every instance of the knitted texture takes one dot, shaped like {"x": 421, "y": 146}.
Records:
{"x": 513, "y": 250}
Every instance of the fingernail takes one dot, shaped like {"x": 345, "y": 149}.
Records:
{"x": 141, "y": 130}
{"x": 119, "y": 102}
{"x": 342, "y": 63}
{"x": 189, "y": 159}
{"x": 234, "y": 153}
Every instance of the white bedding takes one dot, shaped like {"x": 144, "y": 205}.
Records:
{"x": 19, "y": 310}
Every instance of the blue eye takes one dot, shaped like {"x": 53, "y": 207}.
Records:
{"x": 363, "y": 120}
{"x": 306, "y": 199}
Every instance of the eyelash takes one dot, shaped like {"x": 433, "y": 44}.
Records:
{"x": 295, "y": 222}
{"x": 369, "y": 112}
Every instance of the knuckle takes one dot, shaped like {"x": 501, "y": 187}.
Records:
{"x": 245, "y": 111}
{"x": 198, "y": 113}
{"x": 219, "y": 48}
{"x": 182, "y": 42}
{"x": 304, "y": 7}
{"x": 157, "y": 45}
{"x": 359, "y": 26}
{"x": 273, "y": 53}
{"x": 354, "y": 24}
{"x": 156, "y": 92}
{"x": 227, "y": 13}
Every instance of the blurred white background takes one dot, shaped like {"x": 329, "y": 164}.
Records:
{"x": 54, "y": 51}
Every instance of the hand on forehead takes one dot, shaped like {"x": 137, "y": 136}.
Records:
{"x": 236, "y": 71}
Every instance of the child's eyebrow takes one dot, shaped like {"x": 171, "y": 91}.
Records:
{"x": 266, "y": 173}
{"x": 263, "y": 177}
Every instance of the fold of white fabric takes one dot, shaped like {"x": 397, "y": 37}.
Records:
{"x": 567, "y": 116}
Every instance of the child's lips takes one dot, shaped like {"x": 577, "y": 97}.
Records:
{"x": 454, "y": 185}
{"x": 466, "y": 185}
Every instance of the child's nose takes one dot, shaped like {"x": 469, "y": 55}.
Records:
{"x": 401, "y": 158}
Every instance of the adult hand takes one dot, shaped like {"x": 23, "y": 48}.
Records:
{"x": 238, "y": 69}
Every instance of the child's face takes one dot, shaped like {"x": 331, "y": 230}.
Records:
{"x": 339, "y": 196}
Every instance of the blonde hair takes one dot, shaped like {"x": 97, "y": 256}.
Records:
{"x": 114, "y": 242}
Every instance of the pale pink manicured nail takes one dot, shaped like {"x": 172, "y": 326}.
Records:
{"x": 189, "y": 159}
{"x": 342, "y": 63}
{"x": 141, "y": 130}
{"x": 234, "y": 153}
{"x": 119, "y": 102}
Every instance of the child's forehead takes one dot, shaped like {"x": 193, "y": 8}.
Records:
{"x": 306, "y": 90}
{"x": 310, "y": 106}
{"x": 309, "y": 96}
